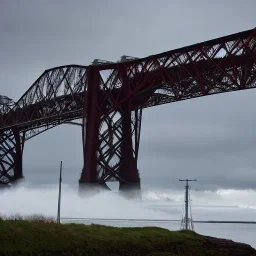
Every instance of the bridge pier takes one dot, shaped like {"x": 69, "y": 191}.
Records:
{"x": 130, "y": 189}
{"x": 11, "y": 154}
{"x": 111, "y": 140}
{"x": 88, "y": 182}
{"x": 129, "y": 182}
{"x": 89, "y": 189}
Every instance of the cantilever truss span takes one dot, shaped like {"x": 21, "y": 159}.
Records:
{"x": 109, "y": 98}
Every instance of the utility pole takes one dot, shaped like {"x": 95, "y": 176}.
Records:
{"x": 59, "y": 199}
{"x": 186, "y": 220}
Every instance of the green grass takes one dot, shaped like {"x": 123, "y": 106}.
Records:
{"x": 40, "y": 237}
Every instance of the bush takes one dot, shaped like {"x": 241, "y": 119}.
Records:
{"x": 29, "y": 218}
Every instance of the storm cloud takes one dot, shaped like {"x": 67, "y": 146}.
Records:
{"x": 211, "y": 138}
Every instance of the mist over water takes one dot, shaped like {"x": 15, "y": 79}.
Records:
{"x": 43, "y": 200}
{"x": 155, "y": 204}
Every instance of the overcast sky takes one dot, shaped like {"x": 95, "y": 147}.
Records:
{"x": 212, "y": 139}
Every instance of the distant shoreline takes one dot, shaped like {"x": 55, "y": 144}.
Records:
{"x": 234, "y": 222}
{"x": 162, "y": 220}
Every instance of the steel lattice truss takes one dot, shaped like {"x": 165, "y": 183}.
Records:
{"x": 112, "y": 127}
{"x": 115, "y": 94}
{"x": 109, "y": 154}
{"x": 55, "y": 98}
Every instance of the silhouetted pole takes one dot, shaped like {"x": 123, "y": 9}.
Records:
{"x": 59, "y": 199}
{"x": 186, "y": 202}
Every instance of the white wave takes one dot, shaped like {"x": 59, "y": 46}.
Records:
{"x": 221, "y": 197}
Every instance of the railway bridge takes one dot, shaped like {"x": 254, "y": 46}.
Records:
{"x": 110, "y": 97}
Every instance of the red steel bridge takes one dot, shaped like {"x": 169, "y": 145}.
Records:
{"x": 109, "y": 99}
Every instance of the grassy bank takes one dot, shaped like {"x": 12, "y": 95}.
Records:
{"x": 38, "y": 237}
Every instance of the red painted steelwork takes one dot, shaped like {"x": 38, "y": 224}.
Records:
{"x": 92, "y": 119}
{"x": 110, "y": 98}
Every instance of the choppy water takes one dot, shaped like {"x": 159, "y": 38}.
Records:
{"x": 156, "y": 205}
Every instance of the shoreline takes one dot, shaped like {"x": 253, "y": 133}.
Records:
{"x": 160, "y": 220}
{"x": 46, "y": 237}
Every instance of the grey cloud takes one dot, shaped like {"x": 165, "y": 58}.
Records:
{"x": 210, "y": 138}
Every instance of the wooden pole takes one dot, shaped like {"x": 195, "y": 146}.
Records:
{"x": 59, "y": 197}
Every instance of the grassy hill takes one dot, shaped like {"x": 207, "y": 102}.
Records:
{"x": 38, "y": 237}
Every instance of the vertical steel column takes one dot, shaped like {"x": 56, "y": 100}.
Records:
{"x": 18, "y": 172}
{"x": 91, "y": 121}
{"x": 128, "y": 172}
